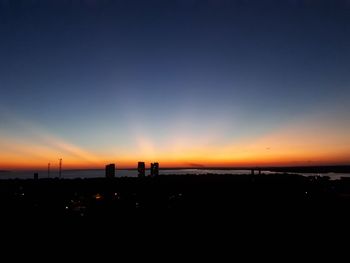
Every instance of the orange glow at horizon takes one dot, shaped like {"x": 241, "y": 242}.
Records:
{"x": 253, "y": 155}
{"x": 304, "y": 142}
{"x": 190, "y": 163}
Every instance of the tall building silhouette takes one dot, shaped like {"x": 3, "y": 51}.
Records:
{"x": 154, "y": 169}
{"x": 141, "y": 168}
{"x": 110, "y": 170}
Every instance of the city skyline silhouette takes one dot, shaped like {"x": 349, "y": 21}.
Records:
{"x": 174, "y": 123}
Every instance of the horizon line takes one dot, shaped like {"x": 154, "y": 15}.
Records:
{"x": 192, "y": 167}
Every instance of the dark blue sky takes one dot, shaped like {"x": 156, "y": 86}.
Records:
{"x": 106, "y": 73}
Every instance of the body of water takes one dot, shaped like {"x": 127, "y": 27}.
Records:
{"x": 71, "y": 174}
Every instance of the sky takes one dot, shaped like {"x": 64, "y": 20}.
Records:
{"x": 187, "y": 83}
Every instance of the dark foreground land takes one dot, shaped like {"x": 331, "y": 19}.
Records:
{"x": 233, "y": 196}
{"x": 249, "y": 210}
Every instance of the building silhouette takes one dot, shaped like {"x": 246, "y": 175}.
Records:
{"x": 36, "y": 176}
{"x": 110, "y": 170}
{"x": 154, "y": 169}
{"x": 141, "y": 168}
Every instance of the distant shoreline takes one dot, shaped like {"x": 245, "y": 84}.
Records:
{"x": 288, "y": 169}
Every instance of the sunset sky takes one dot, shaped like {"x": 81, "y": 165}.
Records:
{"x": 187, "y": 83}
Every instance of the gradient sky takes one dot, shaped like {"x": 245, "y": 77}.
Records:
{"x": 182, "y": 82}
